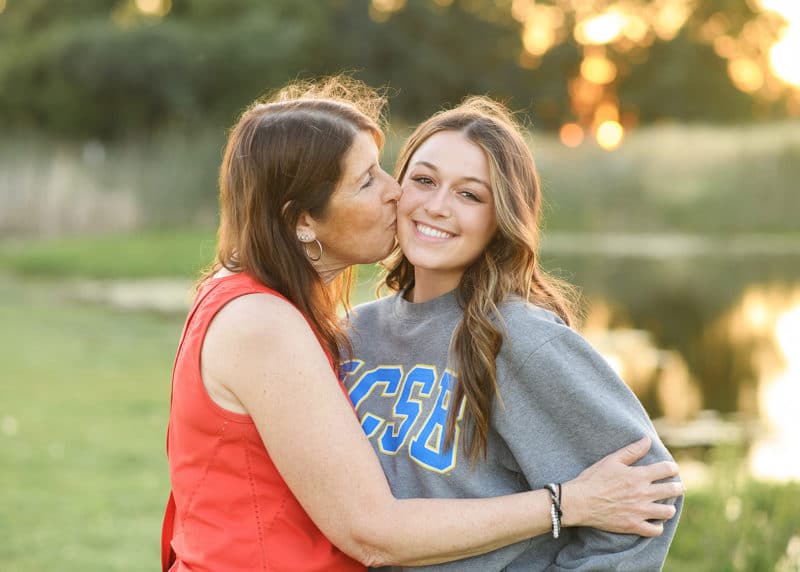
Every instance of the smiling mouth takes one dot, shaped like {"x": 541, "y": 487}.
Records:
{"x": 431, "y": 232}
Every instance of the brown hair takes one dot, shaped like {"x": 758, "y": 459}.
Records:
{"x": 285, "y": 156}
{"x": 508, "y": 266}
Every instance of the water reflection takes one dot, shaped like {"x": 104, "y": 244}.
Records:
{"x": 653, "y": 373}
{"x": 735, "y": 378}
{"x": 777, "y": 454}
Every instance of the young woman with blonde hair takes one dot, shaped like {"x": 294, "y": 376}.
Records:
{"x": 469, "y": 380}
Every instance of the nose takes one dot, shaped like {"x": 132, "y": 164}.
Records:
{"x": 393, "y": 191}
{"x": 437, "y": 203}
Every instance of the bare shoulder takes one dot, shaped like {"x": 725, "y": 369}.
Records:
{"x": 258, "y": 315}
{"x": 254, "y": 329}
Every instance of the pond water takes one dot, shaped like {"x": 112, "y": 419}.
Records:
{"x": 696, "y": 325}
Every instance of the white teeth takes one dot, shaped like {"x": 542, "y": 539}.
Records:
{"x": 432, "y": 232}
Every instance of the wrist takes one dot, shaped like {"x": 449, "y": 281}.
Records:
{"x": 572, "y": 505}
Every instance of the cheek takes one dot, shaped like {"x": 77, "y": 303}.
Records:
{"x": 364, "y": 212}
{"x": 407, "y": 201}
{"x": 490, "y": 228}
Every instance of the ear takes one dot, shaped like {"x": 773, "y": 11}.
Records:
{"x": 306, "y": 227}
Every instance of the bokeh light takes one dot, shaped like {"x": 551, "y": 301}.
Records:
{"x": 746, "y": 74}
{"x": 761, "y": 54}
{"x": 609, "y": 135}
{"x": 571, "y": 134}
{"x": 543, "y": 26}
{"x": 538, "y": 39}
{"x": 785, "y": 58}
{"x": 154, "y": 7}
{"x": 606, "y": 111}
{"x": 598, "y": 69}
{"x": 382, "y": 10}
{"x": 600, "y": 30}
{"x": 670, "y": 18}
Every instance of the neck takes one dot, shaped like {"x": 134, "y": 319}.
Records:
{"x": 430, "y": 285}
{"x": 328, "y": 271}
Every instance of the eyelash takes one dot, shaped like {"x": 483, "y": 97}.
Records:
{"x": 427, "y": 181}
{"x": 369, "y": 182}
{"x": 420, "y": 180}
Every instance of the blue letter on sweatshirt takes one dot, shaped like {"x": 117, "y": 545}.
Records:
{"x": 407, "y": 408}
{"x": 427, "y": 448}
{"x": 389, "y": 378}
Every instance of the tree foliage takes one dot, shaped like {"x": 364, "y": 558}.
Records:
{"x": 102, "y": 68}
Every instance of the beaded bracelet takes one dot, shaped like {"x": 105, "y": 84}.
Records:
{"x": 555, "y": 507}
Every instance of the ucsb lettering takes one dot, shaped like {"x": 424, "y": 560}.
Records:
{"x": 414, "y": 426}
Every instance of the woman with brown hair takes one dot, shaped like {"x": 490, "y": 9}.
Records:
{"x": 469, "y": 381}
{"x": 268, "y": 464}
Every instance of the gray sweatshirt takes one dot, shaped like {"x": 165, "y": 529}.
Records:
{"x": 561, "y": 408}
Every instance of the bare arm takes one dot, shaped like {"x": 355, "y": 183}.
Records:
{"x": 261, "y": 350}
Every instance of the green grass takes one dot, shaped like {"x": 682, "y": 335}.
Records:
{"x": 736, "y": 523}
{"x": 83, "y": 407}
{"x": 178, "y": 253}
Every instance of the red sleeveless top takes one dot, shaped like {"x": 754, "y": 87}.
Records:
{"x": 229, "y": 510}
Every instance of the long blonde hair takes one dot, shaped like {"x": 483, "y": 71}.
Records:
{"x": 508, "y": 266}
{"x": 285, "y": 156}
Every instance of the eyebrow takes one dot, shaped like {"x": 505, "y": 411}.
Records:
{"x": 472, "y": 179}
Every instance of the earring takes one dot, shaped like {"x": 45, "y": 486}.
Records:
{"x": 307, "y": 239}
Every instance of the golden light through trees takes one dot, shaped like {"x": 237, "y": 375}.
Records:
{"x": 762, "y": 54}
{"x": 154, "y": 7}
{"x": 785, "y": 58}
{"x": 746, "y": 74}
{"x": 600, "y": 30}
{"x": 598, "y": 69}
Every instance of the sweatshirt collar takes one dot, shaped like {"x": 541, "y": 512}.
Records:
{"x": 419, "y": 311}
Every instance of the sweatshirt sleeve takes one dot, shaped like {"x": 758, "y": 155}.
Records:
{"x": 563, "y": 408}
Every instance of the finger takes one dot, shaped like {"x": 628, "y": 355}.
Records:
{"x": 649, "y": 529}
{"x": 633, "y": 452}
{"x": 666, "y": 490}
{"x": 658, "y": 511}
{"x": 658, "y": 471}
